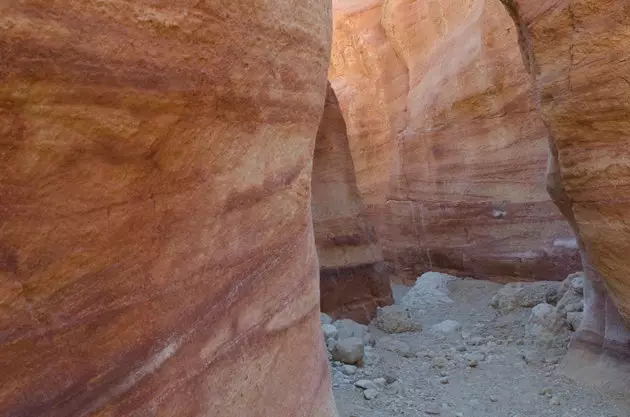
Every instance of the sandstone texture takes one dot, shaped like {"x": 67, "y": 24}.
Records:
{"x": 449, "y": 151}
{"x": 576, "y": 53}
{"x": 156, "y": 248}
{"x": 353, "y": 278}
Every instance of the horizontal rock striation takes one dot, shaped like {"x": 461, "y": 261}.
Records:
{"x": 156, "y": 246}
{"x": 576, "y": 52}
{"x": 449, "y": 151}
{"x": 352, "y": 274}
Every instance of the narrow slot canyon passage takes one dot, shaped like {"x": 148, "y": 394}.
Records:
{"x": 456, "y": 120}
{"x": 314, "y": 208}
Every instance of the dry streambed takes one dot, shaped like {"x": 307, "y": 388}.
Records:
{"x": 465, "y": 348}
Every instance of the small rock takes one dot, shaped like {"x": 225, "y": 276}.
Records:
{"x": 325, "y": 318}
{"x": 577, "y": 284}
{"x": 390, "y": 379}
{"x": 446, "y": 327}
{"x": 330, "y": 344}
{"x": 347, "y": 328}
{"x": 444, "y": 380}
{"x": 574, "y": 307}
{"x": 432, "y": 410}
{"x": 554, "y": 400}
{"x": 426, "y": 354}
{"x": 476, "y": 341}
{"x": 523, "y": 294}
{"x": 349, "y": 369}
{"x": 396, "y": 319}
{"x": 349, "y": 351}
{"x": 575, "y": 320}
{"x": 365, "y": 384}
{"x": 438, "y": 363}
{"x": 546, "y": 391}
{"x": 395, "y": 346}
{"x": 461, "y": 348}
{"x": 545, "y": 326}
{"x": 473, "y": 363}
{"x": 570, "y": 298}
{"x": 330, "y": 331}
{"x": 493, "y": 399}
{"x": 380, "y": 382}
{"x": 370, "y": 394}
{"x": 369, "y": 339}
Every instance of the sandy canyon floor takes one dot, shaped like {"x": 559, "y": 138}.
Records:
{"x": 512, "y": 378}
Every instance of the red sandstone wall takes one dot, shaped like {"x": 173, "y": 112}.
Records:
{"x": 449, "y": 152}
{"x": 353, "y": 278}
{"x": 156, "y": 247}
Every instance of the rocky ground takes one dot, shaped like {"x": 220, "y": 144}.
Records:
{"x": 465, "y": 348}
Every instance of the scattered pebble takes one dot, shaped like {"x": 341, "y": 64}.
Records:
{"x": 370, "y": 394}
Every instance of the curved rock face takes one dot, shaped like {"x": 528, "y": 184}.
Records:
{"x": 353, "y": 279}
{"x": 576, "y": 52}
{"x": 449, "y": 152}
{"x": 156, "y": 247}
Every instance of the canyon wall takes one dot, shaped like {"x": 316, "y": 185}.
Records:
{"x": 352, "y": 274}
{"x": 576, "y": 52}
{"x": 450, "y": 154}
{"x": 156, "y": 247}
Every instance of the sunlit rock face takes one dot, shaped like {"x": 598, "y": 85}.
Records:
{"x": 450, "y": 154}
{"x": 156, "y": 246}
{"x": 576, "y": 52}
{"x": 353, "y": 278}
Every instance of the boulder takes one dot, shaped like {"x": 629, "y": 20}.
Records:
{"x": 431, "y": 289}
{"x": 446, "y": 327}
{"x": 518, "y": 295}
{"x": 393, "y": 345}
{"x": 349, "y": 351}
{"x": 396, "y": 319}
{"x": 546, "y": 327}
{"x": 330, "y": 331}
{"x": 349, "y": 328}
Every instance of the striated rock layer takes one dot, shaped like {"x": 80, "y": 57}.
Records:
{"x": 449, "y": 152}
{"x": 353, "y": 279}
{"x": 156, "y": 246}
{"x": 576, "y": 52}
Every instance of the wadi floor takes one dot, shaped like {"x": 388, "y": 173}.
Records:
{"x": 511, "y": 378}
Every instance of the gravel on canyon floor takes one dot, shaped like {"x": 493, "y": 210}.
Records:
{"x": 452, "y": 350}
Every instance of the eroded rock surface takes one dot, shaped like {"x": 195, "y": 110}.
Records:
{"x": 353, "y": 278}
{"x": 576, "y": 52}
{"x": 156, "y": 248}
{"x": 449, "y": 151}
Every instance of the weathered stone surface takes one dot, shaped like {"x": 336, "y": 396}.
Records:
{"x": 518, "y": 294}
{"x": 576, "y": 52}
{"x": 156, "y": 249}
{"x": 546, "y": 327}
{"x": 449, "y": 151}
{"x": 353, "y": 279}
{"x": 396, "y": 319}
{"x": 350, "y": 351}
